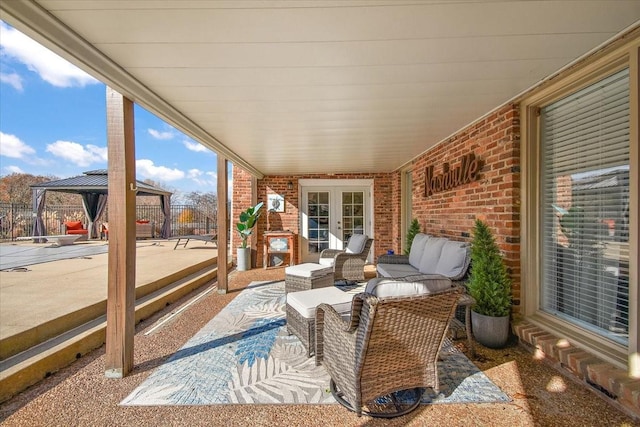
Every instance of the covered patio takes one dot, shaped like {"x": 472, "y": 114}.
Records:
{"x": 539, "y": 395}
{"x": 380, "y": 107}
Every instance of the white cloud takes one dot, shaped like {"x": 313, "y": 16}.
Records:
{"x": 12, "y": 146}
{"x": 205, "y": 179}
{"x": 77, "y": 153}
{"x": 194, "y": 173}
{"x": 13, "y": 169}
{"x": 49, "y": 66}
{"x": 161, "y": 134}
{"x": 194, "y": 146}
{"x": 12, "y": 79}
{"x": 146, "y": 169}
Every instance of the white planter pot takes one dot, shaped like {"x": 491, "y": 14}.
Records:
{"x": 492, "y": 332}
{"x": 244, "y": 259}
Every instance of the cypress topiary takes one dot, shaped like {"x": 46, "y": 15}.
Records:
{"x": 489, "y": 283}
{"x": 414, "y": 228}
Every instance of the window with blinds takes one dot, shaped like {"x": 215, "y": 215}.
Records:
{"x": 585, "y": 207}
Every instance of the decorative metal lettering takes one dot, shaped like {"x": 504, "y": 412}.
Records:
{"x": 466, "y": 172}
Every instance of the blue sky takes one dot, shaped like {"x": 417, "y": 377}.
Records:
{"x": 53, "y": 122}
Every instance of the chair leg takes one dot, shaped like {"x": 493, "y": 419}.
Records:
{"x": 390, "y": 406}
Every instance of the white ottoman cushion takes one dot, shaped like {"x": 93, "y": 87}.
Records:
{"x": 308, "y": 269}
{"x": 305, "y": 302}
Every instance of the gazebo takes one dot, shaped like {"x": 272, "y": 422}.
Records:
{"x": 93, "y": 187}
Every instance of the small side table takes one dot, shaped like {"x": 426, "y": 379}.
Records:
{"x": 278, "y": 242}
{"x": 465, "y": 301}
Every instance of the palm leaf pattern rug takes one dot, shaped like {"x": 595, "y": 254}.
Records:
{"x": 245, "y": 355}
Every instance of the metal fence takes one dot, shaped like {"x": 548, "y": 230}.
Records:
{"x": 16, "y": 219}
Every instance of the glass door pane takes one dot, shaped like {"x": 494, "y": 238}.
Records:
{"x": 330, "y": 215}
{"x": 318, "y": 221}
{"x": 352, "y": 214}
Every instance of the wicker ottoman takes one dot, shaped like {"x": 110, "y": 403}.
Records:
{"x": 307, "y": 276}
{"x": 301, "y": 312}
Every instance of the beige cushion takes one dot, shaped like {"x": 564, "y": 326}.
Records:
{"x": 382, "y": 287}
{"x": 308, "y": 269}
{"x": 417, "y": 249}
{"x": 395, "y": 270}
{"x": 327, "y": 262}
{"x": 356, "y": 243}
{"x": 454, "y": 260}
{"x": 431, "y": 255}
{"x": 305, "y": 302}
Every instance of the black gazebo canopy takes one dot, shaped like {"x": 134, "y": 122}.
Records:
{"x": 93, "y": 187}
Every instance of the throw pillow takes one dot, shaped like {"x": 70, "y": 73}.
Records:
{"x": 454, "y": 260}
{"x": 431, "y": 255}
{"x": 417, "y": 249}
{"x": 356, "y": 243}
{"x": 73, "y": 225}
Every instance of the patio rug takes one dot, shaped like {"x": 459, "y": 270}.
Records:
{"x": 244, "y": 355}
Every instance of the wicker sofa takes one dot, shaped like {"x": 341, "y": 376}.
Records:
{"x": 428, "y": 256}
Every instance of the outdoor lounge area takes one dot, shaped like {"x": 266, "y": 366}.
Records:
{"x": 538, "y": 395}
{"x": 426, "y": 170}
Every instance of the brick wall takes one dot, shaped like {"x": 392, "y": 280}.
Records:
{"x": 386, "y": 205}
{"x": 493, "y": 197}
{"x": 241, "y": 196}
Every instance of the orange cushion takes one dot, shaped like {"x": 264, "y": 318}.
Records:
{"x": 73, "y": 225}
{"x": 83, "y": 231}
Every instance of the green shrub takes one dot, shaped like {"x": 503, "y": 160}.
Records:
{"x": 414, "y": 228}
{"x": 489, "y": 283}
{"x": 247, "y": 220}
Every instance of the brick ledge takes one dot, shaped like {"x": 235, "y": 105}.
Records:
{"x": 612, "y": 383}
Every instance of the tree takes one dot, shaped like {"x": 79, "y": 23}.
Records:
{"x": 489, "y": 283}
{"x": 186, "y": 216}
{"x": 15, "y": 188}
{"x": 414, "y": 228}
{"x": 206, "y": 203}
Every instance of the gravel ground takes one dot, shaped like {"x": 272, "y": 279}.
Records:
{"x": 80, "y": 395}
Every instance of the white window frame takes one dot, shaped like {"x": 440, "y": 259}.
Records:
{"x": 624, "y": 55}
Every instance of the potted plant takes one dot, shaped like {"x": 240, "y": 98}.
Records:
{"x": 414, "y": 228}
{"x": 247, "y": 220}
{"x": 490, "y": 286}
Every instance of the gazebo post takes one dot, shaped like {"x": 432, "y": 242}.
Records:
{"x": 122, "y": 236}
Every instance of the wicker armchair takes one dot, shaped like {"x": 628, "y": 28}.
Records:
{"x": 347, "y": 266}
{"x": 390, "y": 345}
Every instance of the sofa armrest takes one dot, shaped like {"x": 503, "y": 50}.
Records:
{"x": 393, "y": 259}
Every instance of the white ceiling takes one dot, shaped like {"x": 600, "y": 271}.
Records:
{"x": 291, "y": 87}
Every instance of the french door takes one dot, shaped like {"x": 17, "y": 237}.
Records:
{"x": 330, "y": 214}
